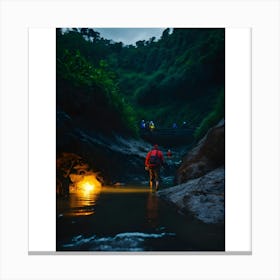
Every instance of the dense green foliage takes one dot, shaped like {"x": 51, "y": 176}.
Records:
{"x": 90, "y": 93}
{"x": 179, "y": 77}
{"x": 213, "y": 117}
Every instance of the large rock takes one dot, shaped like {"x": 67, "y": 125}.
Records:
{"x": 206, "y": 156}
{"x": 202, "y": 197}
{"x": 201, "y": 179}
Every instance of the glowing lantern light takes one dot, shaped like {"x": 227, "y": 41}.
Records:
{"x": 88, "y": 187}
{"x": 84, "y": 195}
{"x": 89, "y": 184}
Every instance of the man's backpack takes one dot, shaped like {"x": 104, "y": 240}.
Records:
{"x": 154, "y": 159}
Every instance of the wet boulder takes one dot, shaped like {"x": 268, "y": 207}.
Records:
{"x": 202, "y": 198}
{"x": 200, "y": 179}
{"x": 207, "y": 155}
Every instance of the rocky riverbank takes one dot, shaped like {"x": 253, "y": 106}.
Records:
{"x": 200, "y": 179}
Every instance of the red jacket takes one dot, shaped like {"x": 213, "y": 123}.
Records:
{"x": 158, "y": 153}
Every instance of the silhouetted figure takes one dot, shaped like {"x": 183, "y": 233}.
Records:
{"x": 174, "y": 125}
{"x": 154, "y": 161}
{"x": 184, "y": 125}
{"x": 143, "y": 124}
{"x": 152, "y": 126}
{"x": 169, "y": 154}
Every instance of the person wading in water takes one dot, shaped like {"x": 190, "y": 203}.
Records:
{"x": 154, "y": 161}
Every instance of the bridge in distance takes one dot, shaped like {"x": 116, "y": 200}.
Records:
{"x": 168, "y": 136}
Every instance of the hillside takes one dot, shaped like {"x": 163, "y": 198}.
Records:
{"x": 111, "y": 86}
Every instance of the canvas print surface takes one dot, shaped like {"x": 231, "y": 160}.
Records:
{"x": 140, "y": 139}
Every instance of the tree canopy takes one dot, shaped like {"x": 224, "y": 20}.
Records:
{"x": 180, "y": 77}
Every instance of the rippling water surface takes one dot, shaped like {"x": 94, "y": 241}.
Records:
{"x": 129, "y": 218}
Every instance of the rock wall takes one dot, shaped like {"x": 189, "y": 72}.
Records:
{"x": 114, "y": 157}
{"x": 201, "y": 179}
{"x": 206, "y": 156}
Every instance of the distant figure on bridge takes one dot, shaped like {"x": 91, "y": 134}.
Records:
{"x": 169, "y": 154}
{"x": 184, "y": 125}
{"x": 169, "y": 160}
{"x": 152, "y": 126}
{"x": 143, "y": 124}
{"x": 154, "y": 161}
{"x": 174, "y": 125}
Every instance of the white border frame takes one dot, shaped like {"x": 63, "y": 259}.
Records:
{"x": 263, "y": 17}
{"x": 42, "y": 133}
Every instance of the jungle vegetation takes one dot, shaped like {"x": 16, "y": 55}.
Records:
{"x": 111, "y": 86}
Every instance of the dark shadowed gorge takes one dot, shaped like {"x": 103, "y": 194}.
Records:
{"x": 104, "y": 89}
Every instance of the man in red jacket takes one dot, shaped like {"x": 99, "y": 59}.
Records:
{"x": 154, "y": 161}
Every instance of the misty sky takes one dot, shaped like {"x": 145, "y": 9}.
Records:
{"x": 129, "y": 35}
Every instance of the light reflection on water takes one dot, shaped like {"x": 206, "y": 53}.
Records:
{"x": 84, "y": 193}
{"x": 82, "y": 201}
{"x": 129, "y": 189}
{"x": 119, "y": 218}
{"x": 152, "y": 214}
{"x": 128, "y": 218}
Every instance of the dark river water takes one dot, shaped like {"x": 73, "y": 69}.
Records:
{"x": 129, "y": 219}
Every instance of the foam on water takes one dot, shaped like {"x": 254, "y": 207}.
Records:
{"x": 127, "y": 241}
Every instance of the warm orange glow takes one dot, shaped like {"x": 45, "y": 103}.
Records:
{"x": 89, "y": 184}
{"x": 84, "y": 194}
{"x": 106, "y": 189}
{"x": 88, "y": 187}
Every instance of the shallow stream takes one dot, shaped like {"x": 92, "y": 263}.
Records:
{"x": 129, "y": 219}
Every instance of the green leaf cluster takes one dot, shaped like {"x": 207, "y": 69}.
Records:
{"x": 91, "y": 94}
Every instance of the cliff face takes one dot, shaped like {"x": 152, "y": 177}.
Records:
{"x": 201, "y": 179}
